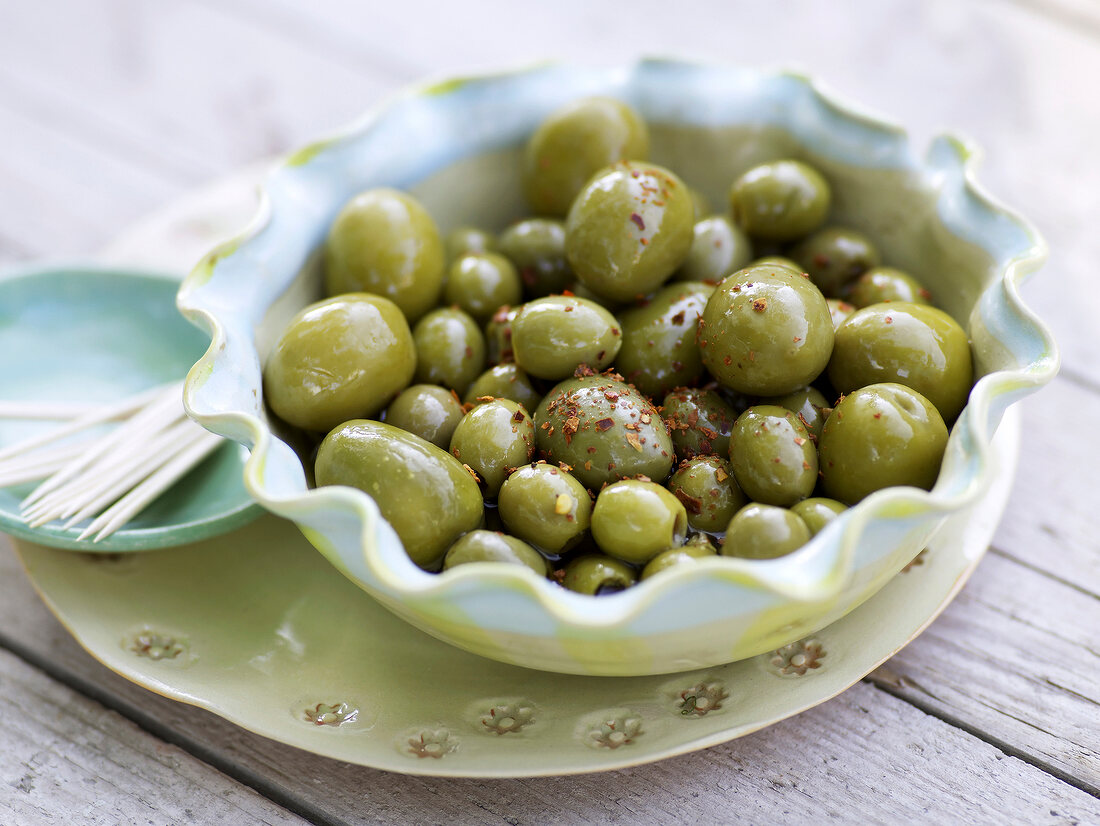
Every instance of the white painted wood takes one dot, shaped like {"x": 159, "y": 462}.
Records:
{"x": 67, "y": 759}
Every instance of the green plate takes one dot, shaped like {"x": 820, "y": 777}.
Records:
{"x": 257, "y": 627}
{"x": 93, "y": 334}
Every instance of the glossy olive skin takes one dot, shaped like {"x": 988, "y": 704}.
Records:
{"x": 759, "y": 531}
{"x": 809, "y": 405}
{"x": 597, "y": 575}
{"x": 384, "y": 242}
{"x": 658, "y": 343}
{"x": 834, "y": 256}
{"x": 718, "y": 248}
{"x": 818, "y": 511}
{"x": 572, "y": 144}
{"x": 840, "y": 310}
{"x": 428, "y": 411}
{"x": 481, "y": 283}
{"x": 879, "y": 436}
{"x": 777, "y": 261}
{"x": 635, "y": 520}
{"x": 339, "y": 359}
{"x": 537, "y": 248}
{"x": 498, "y": 335}
{"x": 493, "y": 439}
{"x": 706, "y": 488}
{"x": 886, "y": 284}
{"x": 696, "y": 548}
{"x": 545, "y": 506}
{"x": 505, "y": 381}
{"x": 699, "y": 421}
{"x": 772, "y": 456}
{"x": 919, "y": 346}
{"x": 781, "y": 200}
{"x": 491, "y": 546}
{"x": 766, "y": 331}
{"x": 604, "y": 430}
{"x": 450, "y": 349}
{"x": 630, "y": 228}
{"x": 465, "y": 240}
{"x": 552, "y": 336}
{"x": 397, "y": 468}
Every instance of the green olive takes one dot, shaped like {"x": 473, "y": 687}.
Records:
{"x": 700, "y": 204}
{"x": 498, "y": 336}
{"x": 766, "y": 331}
{"x": 339, "y": 359}
{"x": 545, "y": 506}
{"x": 481, "y": 283}
{"x": 635, "y": 520}
{"x": 818, "y": 511}
{"x": 916, "y": 345}
{"x": 658, "y": 343}
{"x": 781, "y": 200}
{"x": 491, "y": 546}
{"x": 834, "y": 256}
{"x": 772, "y": 456}
{"x": 537, "y": 248}
{"x": 700, "y": 422}
{"x": 809, "y": 405}
{"x": 706, "y": 488}
{"x": 759, "y": 531}
{"x": 696, "y": 548}
{"x": 887, "y": 284}
{"x": 572, "y": 144}
{"x": 494, "y": 439}
{"x": 553, "y": 336}
{"x": 450, "y": 349}
{"x": 396, "y": 468}
{"x": 839, "y": 310}
{"x": 630, "y": 228}
{"x": 465, "y": 240}
{"x": 718, "y": 249}
{"x": 384, "y": 242}
{"x": 880, "y": 436}
{"x": 604, "y": 430}
{"x": 598, "y": 575}
{"x": 777, "y": 261}
{"x": 505, "y": 381}
{"x": 428, "y": 411}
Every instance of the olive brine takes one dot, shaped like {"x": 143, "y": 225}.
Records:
{"x": 624, "y": 382}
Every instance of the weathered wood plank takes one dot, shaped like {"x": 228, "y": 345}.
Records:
{"x": 829, "y": 763}
{"x": 1051, "y": 522}
{"x": 67, "y": 759}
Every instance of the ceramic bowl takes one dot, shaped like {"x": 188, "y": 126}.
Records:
{"x": 455, "y": 145}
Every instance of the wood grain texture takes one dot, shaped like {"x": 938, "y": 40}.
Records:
{"x": 67, "y": 759}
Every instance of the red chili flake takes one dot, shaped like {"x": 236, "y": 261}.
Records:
{"x": 797, "y": 339}
{"x": 798, "y": 440}
{"x": 678, "y": 318}
{"x": 469, "y": 352}
{"x": 752, "y": 355}
{"x": 760, "y": 304}
{"x": 591, "y": 450}
{"x": 923, "y": 293}
{"x": 821, "y": 260}
{"x": 643, "y": 241}
{"x": 889, "y": 320}
{"x": 645, "y": 418}
{"x": 588, "y": 465}
{"x": 635, "y": 174}
{"x": 727, "y": 361}
{"x": 637, "y": 219}
{"x": 615, "y": 331}
{"x": 721, "y": 476}
{"x": 805, "y": 465}
{"x": 570, "y": 427}
{"x": 709, "y": 433}
{"x": 569, "y": 309}
{"x": 691, "y": 504}
{"x": 582, "y": 371}
{"x": 631, "y": 426}
{"x": 567, "y": 293}
{"x": 610, "y": 466}
{"x": 611, "y": 396}
{"x": 776, "y": 460}
{"x": 878, "y": 415}
{"x": 634, "y": 442}
{"x": 472, "y": 472}
{"x": 605, "y": 424}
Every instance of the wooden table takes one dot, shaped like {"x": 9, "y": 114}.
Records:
{"x": 111, "y": 108}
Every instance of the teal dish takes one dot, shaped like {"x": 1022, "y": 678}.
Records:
{"x": 456, "y": 146}
{"x": 93, "y": 334}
